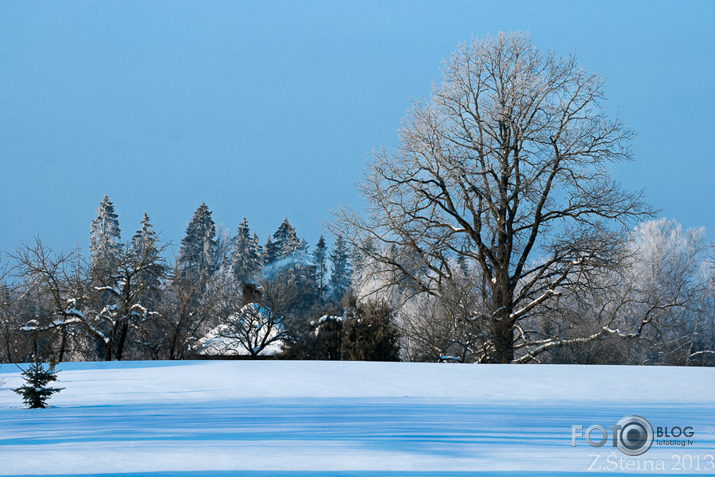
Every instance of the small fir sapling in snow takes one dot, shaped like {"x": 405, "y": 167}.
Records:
{"x": 35, "y": 392}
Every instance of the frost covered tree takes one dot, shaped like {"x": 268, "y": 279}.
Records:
{"x": 288, "y": 275}
{"x": 249, "y": 330}
{"x": 105, "y": 245}
{"x": 506, "y": 167}
{"x": 126, "y": 295}
{"x": 288, "y": 281}
{"x": 123, "y": 288}
{"x": 246, "y": 260}
{"x": 60, "y": 292}
{"x": 98, "y": 308}
{"x": 145, "y": 275}
{"x": 435, "y": 329}
{"x": 651, "y": 309}
{"x": 669, "y": 284}
{"x": 283, "y": 246}
{"x": 321, "y": 267}
{"x": 341, "y": 275}
{"x": 105, "y": 254}
{"x": 269, "y": 251}
{"x": 198, "y": 254}
{"x": 191, "y": 297}
{"x": 145, "y": 248}
{"x": 702, "y": 348}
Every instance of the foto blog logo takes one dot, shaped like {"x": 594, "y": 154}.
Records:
{"x": 632, "y": 435}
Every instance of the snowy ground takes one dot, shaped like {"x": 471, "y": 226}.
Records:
{"x": 276, "y": 418}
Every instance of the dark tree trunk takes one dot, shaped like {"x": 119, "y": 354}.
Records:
{"x": 503, "y": 335}
{"x": 503, "y": 324}
{"x": 107, "y": 351}
{"x": 63, "y": 345}
{"x": 175, "y": 341}
{"x": 122, "y": 339}
{"x": 8, "y": 347}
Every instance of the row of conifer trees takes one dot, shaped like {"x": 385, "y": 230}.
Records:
{"x": 128, "y": 300}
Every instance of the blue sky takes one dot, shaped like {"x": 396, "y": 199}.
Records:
{"x": 268, "y": 109}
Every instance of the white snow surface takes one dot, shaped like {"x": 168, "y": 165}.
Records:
{"x": 274, "y": 418}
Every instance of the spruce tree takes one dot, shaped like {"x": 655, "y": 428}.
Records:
{"x": 341, "y": 277}
{"x": 150, "y": 267}
{"x": 144, "y": 242}
{"x": 35, "y": 392}
{"x": 106, "y": 253}
{"x": 284, "y": 244}
{"x": 144, "y": 274}
{"x": 270, "y": 252}
{"x": 198, "y": 255}
{"x": 321, "y": 267}
{"x": 105, "y": 245}
{"x": 246, "y": 258}
{"x": 304, "y": 269}
{"x": 288, "y": 268}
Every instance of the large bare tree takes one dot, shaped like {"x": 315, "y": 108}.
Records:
{"x": 503, "y": 168}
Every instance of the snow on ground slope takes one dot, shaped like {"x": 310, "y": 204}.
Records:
{"x": 266, "y": 418}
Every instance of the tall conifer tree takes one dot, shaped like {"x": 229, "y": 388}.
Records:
{"x": 285, "y": 243}
{"x": 321, "y": 266}
{"x": 341, "y": 277}
{"x": 105, "y": 247}
{"x": 151, "y": 267}
{"x": 198, "y": 255}
{"x": 246, "y": 255}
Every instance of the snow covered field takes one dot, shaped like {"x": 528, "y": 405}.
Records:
{"x": 275, "y": 418}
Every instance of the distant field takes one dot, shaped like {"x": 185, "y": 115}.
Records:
{"x": 275, "y": 418}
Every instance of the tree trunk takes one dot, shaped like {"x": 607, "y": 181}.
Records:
{"x": 63, "y": 344}
{"x": 122, "y": 339}
{"x": 108, "y": 351}
{"x": 503, "y": 325}
{"x": 8, "y": 347}
{"x": 503, "y": 336}
{"x": 175, "y": 341}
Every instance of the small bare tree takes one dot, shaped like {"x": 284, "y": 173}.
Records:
{"x": 248, "y": 331}
{"x": 505, "y": 169}
{"x": 56, "y": 285}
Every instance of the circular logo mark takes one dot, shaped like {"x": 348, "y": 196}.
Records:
{"x": 635, "y": 436}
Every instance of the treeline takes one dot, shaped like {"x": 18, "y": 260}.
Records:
{"x": 228, "y": 294}
{"x": 127, "y": 300}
